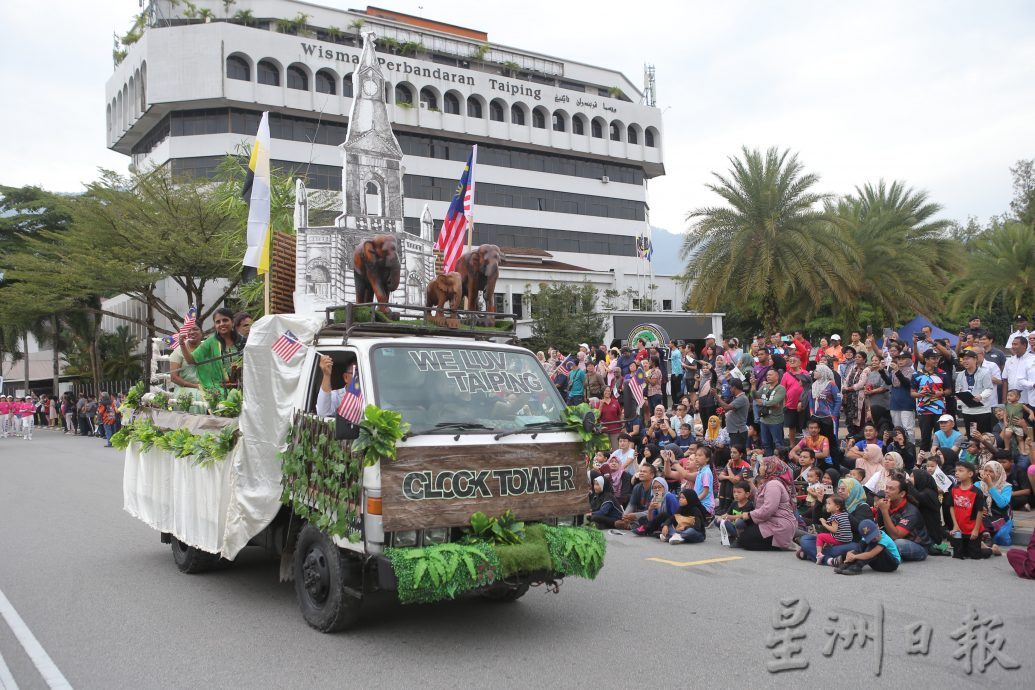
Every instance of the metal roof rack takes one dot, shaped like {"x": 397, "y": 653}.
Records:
{"x": 377, "y": 324}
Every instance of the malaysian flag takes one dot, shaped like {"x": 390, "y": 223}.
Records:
{"x": 351, "y": 407}
{"x": 286, "y": 346}
{"x": 637, "y": 389}
{"x": 567, "y": 365}
{"x": 173, "y": 341}
{"x": 461, "y": 213}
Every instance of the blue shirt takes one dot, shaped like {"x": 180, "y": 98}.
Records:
{"x": 706, "y": 479}
{"x": 944, "y": 441}
{"x": 889, "y": 544}
{"x": 677, "y": 363}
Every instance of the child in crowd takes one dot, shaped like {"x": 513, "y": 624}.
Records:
{"x": 688, "y": 523}
{"x": 858, "y": 474}
{"x": 838, "y": 528}
{"x": 812, "y": 503}
{"x": 742, "y": 503}
{"x": 968, "y": 502}
{"x": 1016, "y": 426}
{"x": 736, "y": 469}
{"x": 705, "y": 482}
{"x": 878, "y": 551}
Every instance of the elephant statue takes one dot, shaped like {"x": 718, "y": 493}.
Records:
{"x": 479, "y": 270}
{"x": 376, "y": 267}
{"x": 448, "y": 287}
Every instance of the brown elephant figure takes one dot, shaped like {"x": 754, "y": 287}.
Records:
{"x": 479, "y": 269}
{"x": 448, "y": 287}
{"x": 375, "y": 266}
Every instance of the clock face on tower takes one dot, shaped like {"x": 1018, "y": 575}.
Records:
{"x": 370, "y": 87}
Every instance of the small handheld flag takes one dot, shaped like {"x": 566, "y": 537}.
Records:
{"x": 188, "y": 323}
{"x": 351, "y": 407}
{"x": 637, "y": 389}
{"x": 286, "y": 346}
{"x": 461, "y": 213}
{"x": 567, "y": 365}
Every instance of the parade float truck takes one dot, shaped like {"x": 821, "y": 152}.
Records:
{"x": 466, "y": 472}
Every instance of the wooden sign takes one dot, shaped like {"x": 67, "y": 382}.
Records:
{"x": 443, "y": 486}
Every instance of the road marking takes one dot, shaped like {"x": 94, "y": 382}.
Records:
{"x": 44, "y": 664}
{"x": 6, "y": 679}
{"x": 684, "y": 564}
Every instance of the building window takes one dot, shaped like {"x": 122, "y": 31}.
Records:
{"x": 297, "y": 78}
{"x": 517, "y": 115}
{"x": 500, "y": 302}
{"x": 268, "y": 73}
{"x": 428, "y": 99}
{"x": 516, "y": 306}
{"x": 237, "y": 68}
{"x": 496, "y": 111}
{"x": 577, "y": 127}
{"x": 403, "y": 94}
{"x": 346, "y": 86}
{"x": 648, "y": 138}
{"x": 474, "y": 108}
{"x": 615, "y": 132}
{"x": 373, "y": 199}
{"x": 596, "y": 130}
{"x": 558, "y": 123}
{"x": 325, "y": 83}
{"x": 538, "y": 119}
{"x": 633, "y": 138}
{"x": 666, "y": 305}
{"x": 636, "y": 303}
{"x": 451, "y": 104}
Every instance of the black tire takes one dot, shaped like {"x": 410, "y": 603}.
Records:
{"x": 322, "y": 573}
{"x": 191, "y": 560}
{"x": 505, "y": 595}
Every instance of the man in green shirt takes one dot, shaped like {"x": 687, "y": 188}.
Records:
{"x": 208, "y": 357}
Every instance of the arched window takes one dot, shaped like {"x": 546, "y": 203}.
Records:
{"x": 268, "y": 73}
{"x": 496, "y": 111}
{"x": 538, "y": 119}
{"x": 577, "y": 125}
{"x": 237, "y": 68}
{"x": 474, "y": 108}
{"x": 428, "y": 98}
{"x": 517, "y": 115}
{"x": 615, "y": 132}
{"x": 451, "y": 104}
{"x": 325, "y": 82}
{"x": 297, "y": 78}
{"x": 648, "y": 137}
{"x": 403, "y": 94}
{"x": 558, "y": 122}
{"x": 596, "y": 129}
{"x": 373, "y": 199}
{"x": 633, "y": 137}
{"x": 346, "y": 86}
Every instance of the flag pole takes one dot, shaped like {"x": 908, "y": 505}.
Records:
{"x": 269, "y": 270}
{"x": 470, "y": 218}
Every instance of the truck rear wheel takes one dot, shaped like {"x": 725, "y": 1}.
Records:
{"x": 504, "y": 595}
{"x": 191, "y": 560}
{"x": 322, "y": 578}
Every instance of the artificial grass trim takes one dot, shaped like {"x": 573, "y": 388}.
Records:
{"x": 530, "y": 556}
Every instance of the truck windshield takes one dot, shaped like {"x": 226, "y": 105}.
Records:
{"x": 452, "y": 390}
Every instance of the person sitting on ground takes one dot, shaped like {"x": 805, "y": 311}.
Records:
{"x": 733, "y": 471}
{"x": 1019, "y": 420}
{"x": 619, "y": 480}
{"x": 856, "y": 450}
{"x": 947, "y": 435}
{"x": 688, "y": 523}
{"x": 998, "y": 494}
{"x": 771, "y": 525}
{"x": 870, "y": 462}
{"x": 816, "y": 442}
{"x": 837, "y": 529}
{"x": 742, "y": 503}
{"x": 816, "y": 494}
{"x": 899, "y": 442}
{"x": 684, "y": 439}
{"x": 715, "y": 434}
{"x": 858, "y": 510}
{"x": 604, "y": 508}
{"x": 899, "y": 516}
{"x": 663, "y": 505}
{"x": 1021, "y": 492}
{"x": 891, "y": 464}
{"x": 924, "y": 490}
{"x": 877, "y": 550}
{"x": 640, "y": 498}
{"x": 1023, "y": 560}
{"x": 659, "y": 430}
{"x": 968, "y": 503}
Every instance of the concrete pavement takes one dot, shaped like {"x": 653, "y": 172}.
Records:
{"x": 103, "y": 598}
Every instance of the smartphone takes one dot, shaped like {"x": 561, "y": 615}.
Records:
{"x": 829, "y": 488}
{"x": 869, "y": 330}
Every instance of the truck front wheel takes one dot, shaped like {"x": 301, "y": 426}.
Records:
{"x": 322, "y": 576}
{"x": 505, "y": 595}
{"x": 191, "y": 560}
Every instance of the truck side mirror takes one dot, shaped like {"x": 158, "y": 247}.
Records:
{"x": 344, "y": 430}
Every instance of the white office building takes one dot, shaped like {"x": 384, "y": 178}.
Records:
{"x": 565, "y": 149}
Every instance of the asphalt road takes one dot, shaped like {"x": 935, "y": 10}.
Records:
{"x": 102, "y": 597}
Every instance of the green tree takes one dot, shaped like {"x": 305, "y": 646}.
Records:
{"x": 1000, "y": 265}
{"x": 564, "y": 315}
{"x": 119, "y": 357}
{"x": 1023, "y": 203}
{"x": 904, "y": 255}
{"x": 768, "y": 243}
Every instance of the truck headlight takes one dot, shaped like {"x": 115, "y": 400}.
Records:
{"x": 439, "y": 535}
{"x": 404, "y": 539}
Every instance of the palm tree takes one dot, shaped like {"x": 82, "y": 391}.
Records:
{"x": 245, "y": 17}
{"x": 121, "y": 362}
{"x": 1000, "y": 264}
{"x": 768, "y": 245}
{"x": 905, "y": 255}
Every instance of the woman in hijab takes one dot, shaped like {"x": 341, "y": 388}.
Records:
{"x": 818, "y": 510}
{"x": 603, "y": 506}
{"x": 707, "y": 392}
{"x": 771, "y": 525}
{"x": 687, "y": 525}
{"x": 715, "y": 434}
{"x": 852, "y": 493}
{"x": 950, "y": 459}
{"x": 925, "y": 491}
{"x": 891, "y": 464}
{"x": 825, "y": 406}
{"x": 898, "y": 441}
{"x": 871, "y": 461}
{"x": 663, "y": 505}
{"x": 998, "y": 493}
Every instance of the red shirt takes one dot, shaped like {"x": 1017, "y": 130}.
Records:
{"x": 794, "y": 390}
{"x": 966, "y": 506}
{"x": 610, "y": 413}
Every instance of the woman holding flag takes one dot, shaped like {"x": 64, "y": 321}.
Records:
{"x": 212, "y": 357}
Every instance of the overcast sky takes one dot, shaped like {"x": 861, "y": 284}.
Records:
{"x": 940, "y": 94}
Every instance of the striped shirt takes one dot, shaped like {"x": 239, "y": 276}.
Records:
{"x": 844, "y": 527}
